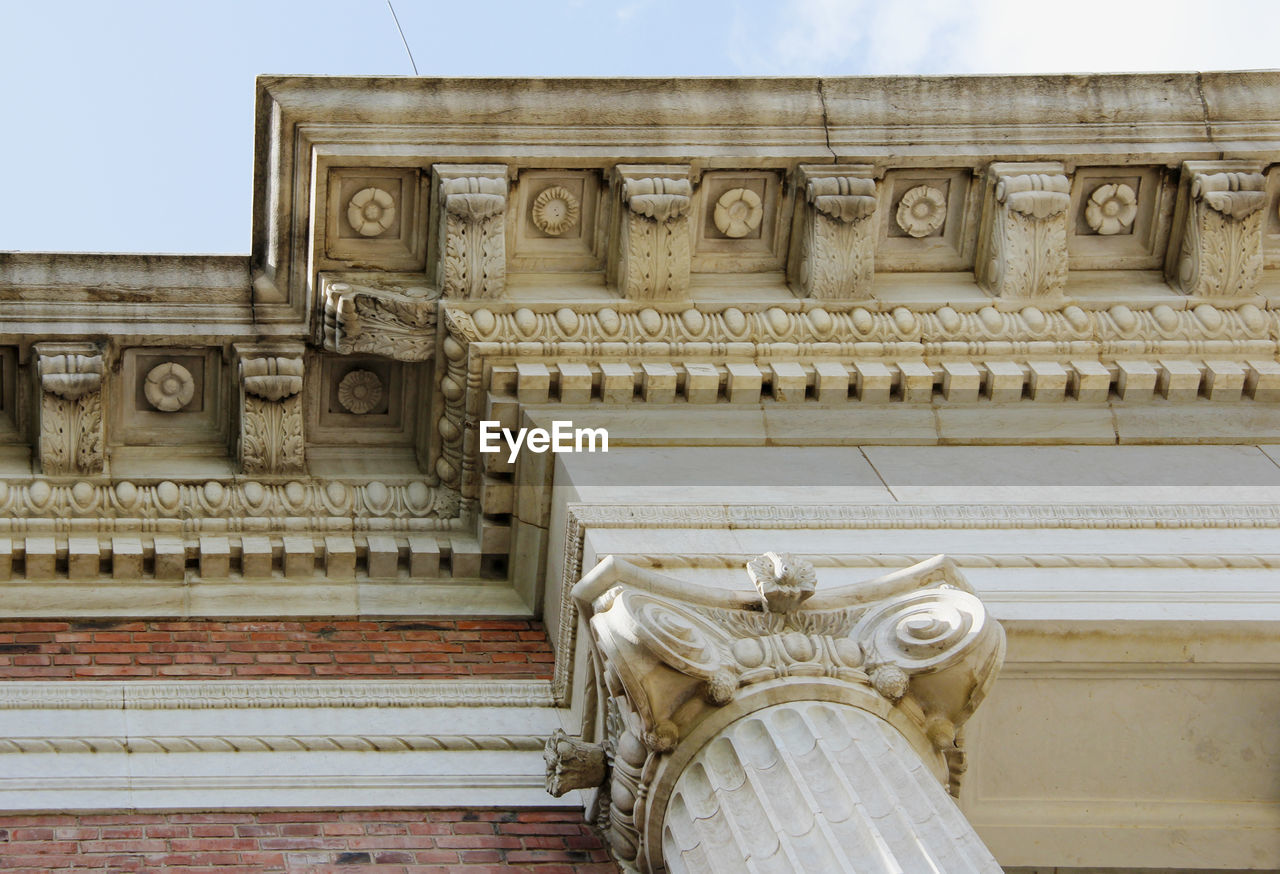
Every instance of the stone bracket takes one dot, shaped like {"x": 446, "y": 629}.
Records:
{"x": 653, "y": 256}
{"x": 1022, "y": 242}
{"x": 399, "y": 323}
{"x": 70, "y": 411}
{"x": 836, "y": 237}
{"x": 471, "y": 229}
{"x": 1218, "y": 227}
{"x": 271, "y": 419}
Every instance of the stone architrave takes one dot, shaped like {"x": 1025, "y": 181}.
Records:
{"x": 1220, "y": 251}
{"x": 271, "y": 431}
{"x": 654, "y": 254}
{"x": 472, "y": 248}
{"x": 779, "y": 729}
{"x": 1022, "y": 244}
{"x": 71, "y": 430}
{"x": 837, "y": 234}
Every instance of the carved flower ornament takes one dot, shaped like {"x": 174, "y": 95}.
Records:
{"x": 555, "y": 211}
{"x": 371, "y": 211}
{"x": 783, "y": 580}
{"x": 169, "y": 387}
{"x": 1111, "y": 209}
{"x": 738, "y": 212}
{"x": 922, "y": 210}
{"x": 360, "y": 391}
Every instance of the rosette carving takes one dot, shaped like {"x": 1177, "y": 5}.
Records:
{"x": 922, "y": 211}
{"x": 837, "y": 248}
{"x": 371, "y": 211}
{"x": 654, "y": 255}
{"x": 555, "y": 210}
{"x": 1221, "y": 249}
{"x": 360, "y": 391}
{"x": 473, "y": 252}
{"x": 169, "y": 387}
{"x": 1111, "y": 209}
{"x": 1022, "y": 250}
{"x": 738, "y": 212}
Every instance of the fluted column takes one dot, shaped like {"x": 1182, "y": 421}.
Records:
{"x": 776, "y": 730}
{"x": 815, "y": 786}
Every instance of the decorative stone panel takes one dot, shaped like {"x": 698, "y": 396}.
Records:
{"x": 1219, "y": 223}
{"x": 271, "y": 435}
{"x": 653, "y": 257}
{"x": 471, "y": 222}
{"x": 376, "y": 217}
{"x": 1022, "y": 242}
{"x": 170, "y": 396}
{"x": 738, "y": 227}
{"x": 70, "y": 408}
{"x": 834, "y": 253}
{"x": 1119, "y": 218}
{"x": 554, "y": 225}
{"x": 926, "y": 218}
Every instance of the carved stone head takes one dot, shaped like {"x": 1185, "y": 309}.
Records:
{"x": 572, "y": 763}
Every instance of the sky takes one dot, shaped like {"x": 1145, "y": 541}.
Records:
{"x": 127, "y": 125}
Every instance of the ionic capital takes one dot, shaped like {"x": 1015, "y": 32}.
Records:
{"x": 678, "y": 666}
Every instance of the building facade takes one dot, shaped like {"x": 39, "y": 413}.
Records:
{"x": 780, "y": 474}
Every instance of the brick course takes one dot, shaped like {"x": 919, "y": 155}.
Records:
{"x": 230, "y": 648}
{"x": 328, "y": 841}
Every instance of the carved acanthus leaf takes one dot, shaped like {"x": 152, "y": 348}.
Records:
{"x": 654, "y": 253}
{"x": 836, "y": 258}
{"x": 70, "y": 404}
{"x": 271, "y": 440}
{"x": 360, "y": 319}
{"x": 473, "y": 254}
{"x": 1221, "y": 252}
{"x": 1023, "y": 252}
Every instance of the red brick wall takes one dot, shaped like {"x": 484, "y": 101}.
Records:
{"x": 341, "y": 842}
{"x": 230, "y": 648}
